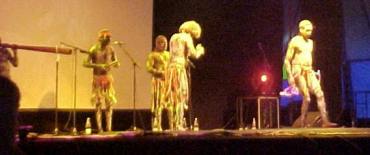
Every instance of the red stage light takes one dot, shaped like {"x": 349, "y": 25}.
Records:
{"x": 263, "y": 82}
{"x": 263, "y": 78}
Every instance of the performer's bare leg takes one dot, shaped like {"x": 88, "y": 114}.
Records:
{"x": 153, "y": 115}
{"x": 153, "y": 120}
{"x": 98, "y": 112}
{"x": 108, "y": 116}
{"x": 170, "y": 118}
{"x": 304, "y": 110}
{"x": 179, "y": 118}
{"x": 158, "y": 118}
{"x": 302, "y": 87}
{"x": 168, "y": 105}
{"x": 156, "y": 109}
{"x": 172, "y": 112}
{"x": 321, "y": 104}
{"x": 175, "y": 117}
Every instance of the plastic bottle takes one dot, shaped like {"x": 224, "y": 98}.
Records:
{"x": 88, "y": 126}
{"x": 184, "y": 123}
{"x": 254, "y": 123}
{"x": 196, "y": 124}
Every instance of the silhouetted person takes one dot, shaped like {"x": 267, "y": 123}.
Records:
{"x": 7, "y": 58}
{"x": 9, "y": 103}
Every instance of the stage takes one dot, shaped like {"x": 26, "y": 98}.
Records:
{"x": 217, "y": 141}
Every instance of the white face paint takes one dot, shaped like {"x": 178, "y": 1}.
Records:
{"x": 307, "y": 31}
{"x": 305, "y": 28}
{"x": 161, "y": 44}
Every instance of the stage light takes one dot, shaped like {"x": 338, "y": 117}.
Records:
{"x": 262, "y": 82}
{"x": 263, "y": 78}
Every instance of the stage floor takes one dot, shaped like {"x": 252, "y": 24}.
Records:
{"x": 255, "y": 133}
{"x": 219, "y": 141}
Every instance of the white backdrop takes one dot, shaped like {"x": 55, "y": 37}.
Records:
{"x": 76, "y": 22}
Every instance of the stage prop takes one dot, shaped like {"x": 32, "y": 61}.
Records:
{"x": 266, "y": 114}
{"x": 56, "y": 49}
{"x": 313, "y": 120}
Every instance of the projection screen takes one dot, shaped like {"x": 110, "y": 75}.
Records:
{"x": 76, "y": 22}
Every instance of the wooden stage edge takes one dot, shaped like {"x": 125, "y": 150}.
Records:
{"x": 217, "y": 141}
{"x": 249, "y": 133}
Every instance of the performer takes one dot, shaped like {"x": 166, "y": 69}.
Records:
{"x": 9, "y": 102}
{"x": 7, "y": 57}
{"x": 156, "y": 65}
{"x": 298, "y": 62}
{"x": 101, "y": 58}
{"x": 177, "y": 88}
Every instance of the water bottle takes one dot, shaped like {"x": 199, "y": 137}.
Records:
{"x": 254, "y": 123}
{"x": 184, "y": 123}
{"x": 88, "y": 126}
{"x": 196, "y": 124}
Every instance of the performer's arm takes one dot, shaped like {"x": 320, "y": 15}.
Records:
{"x": 194, "y": 52}
{"x": 149, "y": 64}
{"x": 151, "y": 69}
{"x": 14, "y": 58}
{"x": 288, "y": 60}
{"x": 114, "y": 59}
{"x": 317, "y": 73}
{"x": 88, "y": 62}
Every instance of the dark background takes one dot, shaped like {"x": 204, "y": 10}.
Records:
{"x": 244, "y": 38}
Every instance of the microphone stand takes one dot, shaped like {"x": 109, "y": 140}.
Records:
{"x": 134, "y": 65}
{"x": 74, "y": 130}
{"x": 56, "y": 130}
{"x": 260, "y": 47}
{"x": 75, "y": 49}
{"x": 190, "y": 65}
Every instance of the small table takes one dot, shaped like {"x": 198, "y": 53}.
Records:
{"x": 239, "y": 108}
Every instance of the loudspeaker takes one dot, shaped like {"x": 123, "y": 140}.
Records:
{"x": 313, "y": 120}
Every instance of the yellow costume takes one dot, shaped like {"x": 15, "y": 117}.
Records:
{"x": 156, "y": 65}
{"x": 177, "y": 88}
{"x": 101, "y": 58}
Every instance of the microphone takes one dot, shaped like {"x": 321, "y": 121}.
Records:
{"x": 120, "y": 43}
{"x": 191, "y": 64}
{"x": 74, "y": 47}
